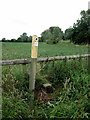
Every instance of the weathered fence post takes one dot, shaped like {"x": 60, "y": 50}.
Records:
{"x": 89, "y": 6}
{"x": 34, "y": 50}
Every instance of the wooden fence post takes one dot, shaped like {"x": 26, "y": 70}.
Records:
{"x": 32, "y": 74}
{"x": 89, "y": 6}
{"x": 34, "y": 50}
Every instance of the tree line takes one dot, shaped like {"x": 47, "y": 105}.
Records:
{"x": 22, "y": 38}
{"x": 78, "y": 34}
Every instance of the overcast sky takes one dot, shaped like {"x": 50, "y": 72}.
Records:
{"x": 35, "y": 16}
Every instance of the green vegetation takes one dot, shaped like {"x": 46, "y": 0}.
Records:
{"x": 52, "y": 35}
{"x": 23, "y": 50}
{"x": 70, "y": 97}
{"x": 22, "y": 38}
{"x": 80, "y": 33}
{"x": 69, "y": 78}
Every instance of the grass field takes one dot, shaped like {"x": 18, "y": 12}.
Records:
{"x": 69, "y": 79}
{"x": 23, "y": 50}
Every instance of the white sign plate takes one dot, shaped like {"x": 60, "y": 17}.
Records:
{"x": 35, "y": 43}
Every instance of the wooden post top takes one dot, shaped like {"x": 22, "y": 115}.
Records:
{"x": 34, "y": 48}
{"x": 89, "y": 5}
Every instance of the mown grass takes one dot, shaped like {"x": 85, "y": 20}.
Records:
{"x": 23, "y": 50}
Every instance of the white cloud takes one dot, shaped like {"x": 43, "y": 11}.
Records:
{"x": 34, "y": 16}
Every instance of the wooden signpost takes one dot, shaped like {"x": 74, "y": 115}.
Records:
{"x": 89, "y": 10}
{"x": 34, "y": 50}
{"x": 89, "y": 5}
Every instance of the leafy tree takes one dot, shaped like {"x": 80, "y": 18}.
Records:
{"x": 68, "y": 33}
{"x": 13, "y": 40}
{"x": 81, "y": 30}
{"x": 46, "y": 35}
{"x": 29, "y": 39}
{"x": 3, "y": 40}
{"x": 24, "y": 37}
{"x": 57, "y": 34}
{"x": 19, "y": 39}
{"x": 40, "y": 39}
{"x": 52, "y": 35}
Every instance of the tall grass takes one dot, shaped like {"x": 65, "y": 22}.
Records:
{"x": 70, "y": 97}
